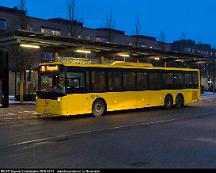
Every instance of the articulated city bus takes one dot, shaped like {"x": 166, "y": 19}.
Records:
{"x": 73, "y": 89}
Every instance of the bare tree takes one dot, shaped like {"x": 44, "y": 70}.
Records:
{"x": 138, "y": 27}
{"x": 73, "y": 18}
{"x": 183, "y": 39}
{"x": 71, "y": 6}
{"x": 109, "y": 24}
{"x": 22, "y": 7}
{"x": 162, "y": 40}
{"x": 183, "y": 36}
{"x": 71, "y": 9}
{"x": 109, "y": 20}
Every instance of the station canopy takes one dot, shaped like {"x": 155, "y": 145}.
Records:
{"x": 19, "y": 37}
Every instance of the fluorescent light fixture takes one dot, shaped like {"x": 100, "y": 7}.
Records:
{"x": 124, "y": 55}
{"x": 201, "y": 62}
{"x": 83, "y": 51}
{"x": 157, "y": 59}
{"x": 179, "y": 60}
{"x": 30, "y": 46}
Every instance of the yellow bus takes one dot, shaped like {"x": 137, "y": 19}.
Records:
{"x": 74, "y": 89}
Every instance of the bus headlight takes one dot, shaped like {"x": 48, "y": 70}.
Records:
{"x": 59, "y": 99}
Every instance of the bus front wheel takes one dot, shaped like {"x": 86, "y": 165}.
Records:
{"x": 168, "y": 102}
{"x": 98, "y": 108}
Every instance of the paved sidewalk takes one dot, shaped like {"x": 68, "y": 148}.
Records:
{"x": 208, "y": 96}
{"x": 18, "y": 112}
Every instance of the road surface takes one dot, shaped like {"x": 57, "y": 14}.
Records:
{"x": 144, "y": 138}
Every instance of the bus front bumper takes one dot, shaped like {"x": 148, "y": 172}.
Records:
{"x": 49, "y": 107}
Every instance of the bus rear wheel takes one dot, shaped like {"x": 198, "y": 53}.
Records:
{"x": 168, "y": 102}
{"x": 179, "y": 101}
{"x": 98, "y": 108}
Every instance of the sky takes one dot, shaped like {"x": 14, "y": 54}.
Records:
{"x": 195, "y": 18}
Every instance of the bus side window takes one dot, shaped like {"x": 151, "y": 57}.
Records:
{"x": 179, "y": 80}
{"x": 74, "y": 83}
{"x": 88, "y": 84}
{"x": 115, "y": 81}
{"x": 98, "y": 81}
{"x": 75, "y": 80}
{"x": 188, "y": 80}
{"x": 142, "y": 81}
{"x": 195, "y": 80}
{"x": 168, "y": 80}
{"x": 155, "y": 81}
{"x": 129, "y": 81}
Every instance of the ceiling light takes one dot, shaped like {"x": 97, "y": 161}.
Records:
{"x": 83, "y": 51}
{"x": 30, "y": 46}
{"x": 124, "y": 55}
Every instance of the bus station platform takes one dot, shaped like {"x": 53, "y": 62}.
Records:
{"x": 17, "y": 112}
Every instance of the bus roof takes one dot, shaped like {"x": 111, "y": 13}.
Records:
{"x": 119, "y": 64}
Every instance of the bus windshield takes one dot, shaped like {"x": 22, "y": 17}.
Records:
{"x": 52, "y": 82}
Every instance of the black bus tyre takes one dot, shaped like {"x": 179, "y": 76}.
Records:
{"x": 168, "y": 102}
{"x": 179, "y": 101}
{"x": 98, "y": 108}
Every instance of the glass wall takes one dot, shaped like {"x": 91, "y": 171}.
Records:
{"x": 4, "y": 96}
{"x": 30, "y": 85}
{"x": 1, "y": 92}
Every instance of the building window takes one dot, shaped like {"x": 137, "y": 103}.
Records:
{"x": 88, "y": 38}
{"x": 3, "y": 24}
{"x": 29, "y": 27}
{"x": 51, "y": 31}
{"x": 101, "y": 39}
